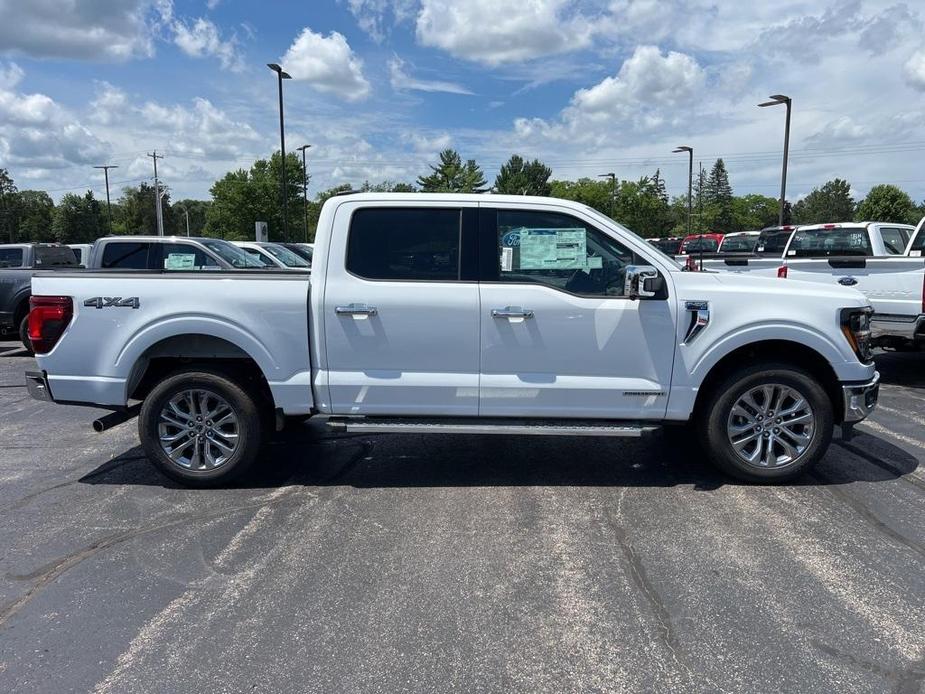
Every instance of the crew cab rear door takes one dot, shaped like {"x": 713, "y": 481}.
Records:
{"x": 559, "y": 336}
{"x": 401, "y": 309}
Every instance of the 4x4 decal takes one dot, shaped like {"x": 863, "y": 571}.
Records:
{"x": 112, "y": 301}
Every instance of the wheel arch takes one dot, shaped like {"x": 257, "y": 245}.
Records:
{"x": 778, "y": 352}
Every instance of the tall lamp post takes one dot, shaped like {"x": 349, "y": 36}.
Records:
{"x": 690, "y": 182}
{"x": 776, "y": 99}
{"x": 304, "y": 191}
{"x": 613, "y": 189}
{"x": 106, "y": 169}
{"x": 282, "y": 75}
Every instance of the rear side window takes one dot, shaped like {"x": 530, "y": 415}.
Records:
{"x": 10, "y": 257}
{"x": 130, "y": 255}
{"x": 404, "y": 244}
{"x": 894, "y": 239}
{"x": 54, "y": 256}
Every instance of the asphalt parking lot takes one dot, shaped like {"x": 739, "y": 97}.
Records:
{"x": 401, "y": 563}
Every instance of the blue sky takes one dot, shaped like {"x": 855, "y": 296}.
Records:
{"x": 380, "y": 86}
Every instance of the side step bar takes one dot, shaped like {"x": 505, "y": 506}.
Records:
{"x": 511, "y": 427}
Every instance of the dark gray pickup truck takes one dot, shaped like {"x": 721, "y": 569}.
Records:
{"x": 18, "y": 262}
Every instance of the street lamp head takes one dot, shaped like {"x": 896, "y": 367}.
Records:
{"x": 775, "y": 100}
{"x": 279, "y": 71}
{"x": 303, "y": 148}
{"x": 607, "y": 175}
{"x": 682, "y": 148}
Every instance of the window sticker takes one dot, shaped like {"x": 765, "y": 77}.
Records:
{"x": 556, "y": 249}
{"x": 180, "y": 261}
{"x": 507, "y": 259}
{"x": 915, "y": 254}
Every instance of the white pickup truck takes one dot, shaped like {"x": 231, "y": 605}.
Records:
{"x": 442, "y": 313}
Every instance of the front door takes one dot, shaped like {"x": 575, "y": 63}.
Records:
{"x": 401, "y": 311}
{"x": 559, "y": 337}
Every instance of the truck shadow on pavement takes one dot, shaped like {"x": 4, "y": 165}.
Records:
{"x": 906, "y": 369}
{"x": 306, "y": 457}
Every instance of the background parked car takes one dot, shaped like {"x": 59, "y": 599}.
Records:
{"x": 306, "y": 250}
{"x": 168, "y": 253}
{"x": 868, "y": 239}
{"x": 275, "y": 254}
{"x": 81, "y": 252}
{"x": 739, "y": 242}
{"x": 700, "y": 243}
{"x": 669, "y": 245}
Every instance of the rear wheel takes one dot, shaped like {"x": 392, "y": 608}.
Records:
{"x": 24, "y": 333}
{"x": 200, "y": 428}
{"x": 767, "y": 423}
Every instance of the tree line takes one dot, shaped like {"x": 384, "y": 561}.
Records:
{"x": 244, "y": 196}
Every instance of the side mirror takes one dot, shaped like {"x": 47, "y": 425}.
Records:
{"x": 643, "y": 282}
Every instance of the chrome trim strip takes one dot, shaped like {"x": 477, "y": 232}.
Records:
{"x": 700, "y": 319}
{"x": 860, "y": 399}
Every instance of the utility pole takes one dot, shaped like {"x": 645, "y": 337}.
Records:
{"x": 157, "y": 195}
{"x": 282, "y": 75}
{"x": 776, "y": 100}
{"x": 690, "y": 181}
{"x": 613, "y": 189}
{"x": 700, "y": 200}
{"x": 305, "y": 191}
{"x": 106, "y": 169}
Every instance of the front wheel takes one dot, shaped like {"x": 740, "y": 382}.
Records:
{"x": 200, "y": 428}
{"x": 767, "y": 423}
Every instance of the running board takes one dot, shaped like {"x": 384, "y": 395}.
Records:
{"x": 407, "y": 425}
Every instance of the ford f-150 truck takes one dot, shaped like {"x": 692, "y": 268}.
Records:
{"x": 18, "y": 261}
{"x": 443, "y": 313}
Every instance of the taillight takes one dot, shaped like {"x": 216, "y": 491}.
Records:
{"x": 49, "y": 316}
{"x": 782, "y": 272}
{"x": 691, "y": 264}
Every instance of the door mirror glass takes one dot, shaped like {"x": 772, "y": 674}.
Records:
{"x": 644, "y": 282}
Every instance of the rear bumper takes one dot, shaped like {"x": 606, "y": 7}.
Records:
{"x": 37, "y": 385}
{"x": 895, "y": 325}
{"x": 860, "y": 399}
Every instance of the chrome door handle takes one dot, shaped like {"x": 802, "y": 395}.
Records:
{"x": 511, "y": 312}
{"x": 355, "y": 310}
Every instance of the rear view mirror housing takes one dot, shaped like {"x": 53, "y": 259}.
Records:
{"x": 644, "y": 282}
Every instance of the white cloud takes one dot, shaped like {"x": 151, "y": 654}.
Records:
{"x": 373, "y": 15}
{"x": 491, "y": 32}
{"x": 428, "y": 144}
{"x": 10, "y": 76}
{"x": 328, "y": 64}
{"x": 110, "y": 101}
{"x": 203, "y": 38}
{"x": 100, "y": 30}
{"x": 402, "y": 81}
{"x": 914, "y": 70}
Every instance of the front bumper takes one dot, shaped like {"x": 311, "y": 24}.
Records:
{"x": 37, "y": 385}
{"x": 891, "y": 325}
{"x": 860, "y": 399}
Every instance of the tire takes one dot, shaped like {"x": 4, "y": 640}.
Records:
{"x": 734, "y": 421}
{"x": 24, "y": 334}
{"x": 198, "y": 459}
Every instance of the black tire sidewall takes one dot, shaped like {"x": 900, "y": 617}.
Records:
{"x": 713, "y": 429}
{"x": 24, "y": 333}
{"x": 250, "y": 427}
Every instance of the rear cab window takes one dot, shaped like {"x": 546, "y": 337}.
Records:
{"x": 405, "y": 244}
{"x": 772, "y": 242}
{"x": 11, "y": 257}
{"x": 824, "y": 243}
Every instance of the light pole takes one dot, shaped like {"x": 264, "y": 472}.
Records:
{"x": 186, "y": 212}
{"x": 613, "y": 189}
{"x": 775, "y": 100}
{"x": 304, "y": 191}
{"x": 690, "y": 182}
{"x": 158, "y": 213}
{"x": 106, "y": 169}
{"x": 282, "y": 75}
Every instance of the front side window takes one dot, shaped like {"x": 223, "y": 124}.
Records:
{"x": 562, "y": 252}
{"x": 183, "y": 256}
{"x": 11, "y": 257}
{"x": 285, "y": 256}
{"x": 232, "y": 255}
{"x": 894, "y": 239}
{"x": 129, "y": 255}
{"x": 404, "y": 244}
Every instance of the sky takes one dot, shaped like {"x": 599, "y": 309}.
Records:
{"x": 381, "y": 86}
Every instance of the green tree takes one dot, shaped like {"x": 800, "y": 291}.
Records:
{"x": 387, "y": 186}
{"x": 78, "y": 219}
{"x": 887, "y": 203}
{"x": 640, "y": 207}
{"x": 135, "y": 212}
{"x": 717, "y": 194}
{"x": 754, "y": 212}
{"x": 197, "y": 210}
{"x": 588, "y": 191}
{"x": 519, "y": 177}
{"x": 36, "y": 209}
{"x": 830, "y": 203}
{"x": 452, "y": 176}
{"x": 9, "y": 205}
{"x": 241, "y": 198}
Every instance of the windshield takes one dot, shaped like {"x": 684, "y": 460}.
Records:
{"x": 231, "y": 254}
{"x": 300, "y": 250}
{"x": 738, "y": 244}
{"x": 284, "y": 255}
{"x": 707, "y": 245}
{"x": 807, "y": 243}
{"x": 773, "y": 242}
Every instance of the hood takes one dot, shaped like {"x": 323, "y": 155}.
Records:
{"x": 768, "y": 287}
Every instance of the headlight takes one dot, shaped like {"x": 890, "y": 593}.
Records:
{"x": 855, "y": 324}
